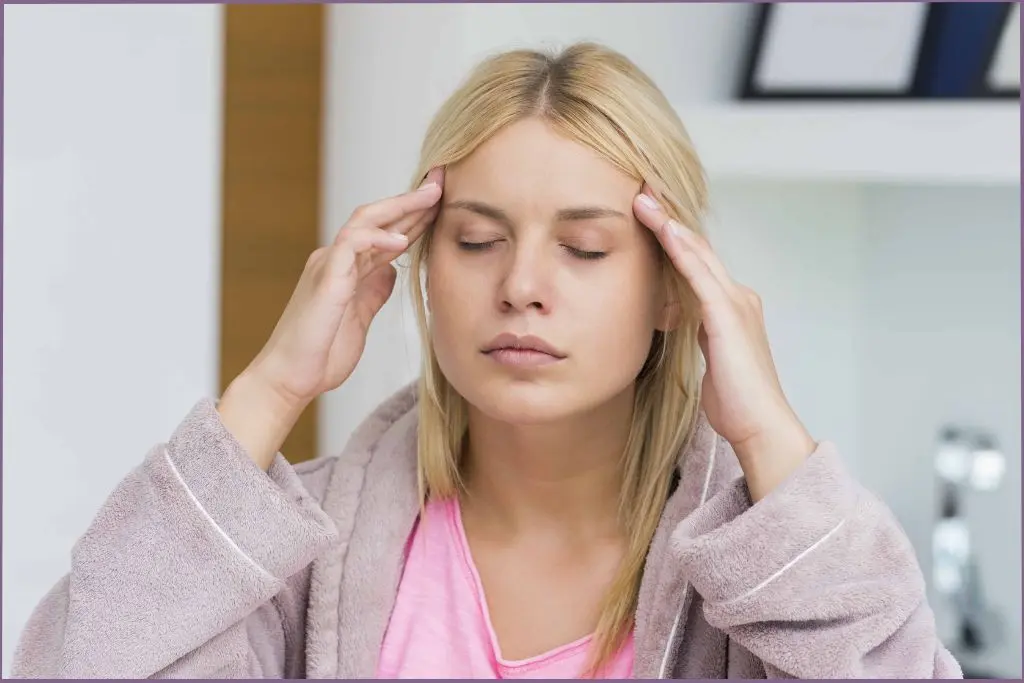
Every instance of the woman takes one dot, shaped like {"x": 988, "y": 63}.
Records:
{"x": 565, "y": 492}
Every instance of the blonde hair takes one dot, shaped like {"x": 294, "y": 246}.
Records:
{"x": 598, "y": 98}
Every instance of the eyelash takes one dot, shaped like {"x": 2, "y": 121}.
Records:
{"x": 578, "y": 253}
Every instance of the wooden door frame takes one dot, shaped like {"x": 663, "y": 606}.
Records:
{"x": 273, "y": 81}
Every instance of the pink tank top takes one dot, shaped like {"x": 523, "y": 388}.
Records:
{"x": 440, "y": 628}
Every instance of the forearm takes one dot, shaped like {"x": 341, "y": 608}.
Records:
{"x": 771, "y": 459}
{"x": 257, "y": 417}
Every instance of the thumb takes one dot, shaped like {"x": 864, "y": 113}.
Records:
{"x": 373, "y": 292}
{"x": 702, "y": 340}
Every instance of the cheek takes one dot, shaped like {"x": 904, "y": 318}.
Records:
{"x": 454, "y": 318}
{"x": 450, "y": 293}
{"x": 621, "y": 314}
{"x": 625, "y": 319}
{"x": 443, "y": 275}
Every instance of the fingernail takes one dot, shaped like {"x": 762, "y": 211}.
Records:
{"x": 399, "y": 237}
{"x": 649, "y": 202}
{"x": 675, "y": 228}
{"x": 428, "y": 186}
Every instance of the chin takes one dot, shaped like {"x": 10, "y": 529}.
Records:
{"x": 515, "y": 400}
{"x": 519, "y": 408}
{"x": 522, "y": 401}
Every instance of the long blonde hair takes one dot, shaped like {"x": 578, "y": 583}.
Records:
{"x": 596, "y": 97}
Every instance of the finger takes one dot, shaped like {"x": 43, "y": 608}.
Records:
{"x": 425, "y": 221}
{"x": 353, "y": 253}
{"x": 702, "y": 341}
{"x": 385, "y": 212}
{"x": 407, "y": 223}
{"x": 371, "y": 261}
{"x": 413, "y": 225}
{"x": 650, "y": 213}
{"x": 706, "y": 285}
{"x": 374, "y": 293}
{"x": 360, "y": 241}
{"x": 414, "y": 219}
{"x": 435, "y": 175}
{"x": 699, "y": 245}
{"x": 708, "y": 288}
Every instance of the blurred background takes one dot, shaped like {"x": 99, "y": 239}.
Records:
{"x": 167, "y": 169}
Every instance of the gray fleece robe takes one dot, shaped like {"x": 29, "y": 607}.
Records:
{"x": 201, "y": 565}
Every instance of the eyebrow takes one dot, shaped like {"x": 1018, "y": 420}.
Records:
{"x": 574, "y": 213}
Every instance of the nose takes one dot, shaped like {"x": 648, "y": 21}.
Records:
{"x": 525, "y": 282}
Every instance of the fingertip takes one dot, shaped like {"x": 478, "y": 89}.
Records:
{"x": 648, "y": 202}
{"x": 435, "y": 175}
{"x": 395, "y": 240}
{"x": 432, "y": 181}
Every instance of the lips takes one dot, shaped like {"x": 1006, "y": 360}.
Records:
{"x": 515, "y": 343}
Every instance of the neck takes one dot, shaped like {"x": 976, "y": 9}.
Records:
{"x": 563, "y": 477}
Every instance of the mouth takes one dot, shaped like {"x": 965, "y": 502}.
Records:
{"x": 528, "y": 351}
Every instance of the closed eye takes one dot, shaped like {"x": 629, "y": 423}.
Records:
{"x": 577, "y": 253}
{"x": 586, "y": 255}
{"x": 476, "y": 246}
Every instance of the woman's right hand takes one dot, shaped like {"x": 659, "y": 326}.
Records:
{"x": 320, "y": 337}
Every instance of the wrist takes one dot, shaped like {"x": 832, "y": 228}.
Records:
{"x": 769, "y": 458}
{"x": 259, "y": 417}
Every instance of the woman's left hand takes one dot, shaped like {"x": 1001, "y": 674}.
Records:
{"x": 741, "y": 393}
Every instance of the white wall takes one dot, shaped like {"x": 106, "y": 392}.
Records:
{"x": 111, "y": 257}
{"x": 940, "y": 344}
{"x": 798, "y": 245}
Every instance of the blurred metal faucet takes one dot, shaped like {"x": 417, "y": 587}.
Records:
{"x": 966, "y": 461}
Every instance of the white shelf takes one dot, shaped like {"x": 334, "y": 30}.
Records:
{"x": 888, "y": 142}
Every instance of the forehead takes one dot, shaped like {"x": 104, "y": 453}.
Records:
{"x": 529, "y": 162}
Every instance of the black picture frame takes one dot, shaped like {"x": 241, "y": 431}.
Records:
{"x": 931, "y": 34}
{"x": 750, "y": 90}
